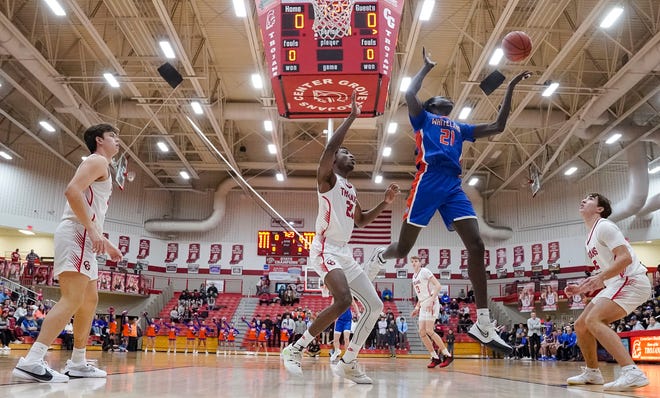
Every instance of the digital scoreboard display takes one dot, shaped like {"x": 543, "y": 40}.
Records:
{"x": 283, "y": 243}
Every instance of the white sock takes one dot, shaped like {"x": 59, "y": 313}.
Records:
{"x": 434, "y": 355}
{"x": 594, "y": 370}
{"x": 78, "y": 355}
{"x": 351, "y": 353}
{"x": 37, "y": 353}
{"x": 628, "y": 367}
{"x": 303, "y": 341}
{"x": 483, "y": 316}
{"x": 446, "y": 352}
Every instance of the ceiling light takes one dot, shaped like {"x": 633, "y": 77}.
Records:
{"x": 111, "y": 79}
{"x": 47, "y": 126}
{"x": 5, "y": 155}
{"x": 550, "y": 89}
{"x": 387, "y": 151}
{"x": 26, "y": 232}
{"x": 162, "y": 146}
{"x": 465, "y": 112}
{"x": 272, "y": 149}
{"x": 651, "y": 171}
{"x": 268, "y": 125}
{"x": 496, "y": 57}
{"x": 648, "y": 241}
{"x": 570, "y": 171}
{"x": 611, "y": 17}
{"x": 473, "y": 181}
{"x": 427, "y": 10}
{"x": 256, "y": 81}
{"x": 197, "y": 108}
{"x": 168, "y": 51}
{"x": 239, "y": 8}
{"x": 405, "y": 83}
{"x": 613, "y": 138}
{"x": 279, "y": 177}
{"x": 391, "y": 128}
{"x": 56, "y": 8}
{"x": 184, "y": 174}
{"x": 378, "y": 179}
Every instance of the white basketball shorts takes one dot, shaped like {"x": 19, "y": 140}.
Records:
{"x": 73, "y": 250}
{"x": 326, "y": 255}
{"x": 628, "y": 292}
{"x": 425, "y": 314}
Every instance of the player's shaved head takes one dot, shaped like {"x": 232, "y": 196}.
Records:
{"x": 439, "y": 105}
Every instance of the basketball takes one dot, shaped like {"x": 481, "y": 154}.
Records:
{"x": 516, "y": 46}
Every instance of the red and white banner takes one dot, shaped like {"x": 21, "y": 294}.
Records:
{"x": 549, "y": 295}
{"x": 236, "y": 254}
{"x": 193, "y": 253}
{"x": 501, "y": 258}
{"x": 377, "y": 232}
{"x": 401, "y": 262}
{"x": 518, "y": 256}
{"x": 358, "y": 255}
{"x": 281, "y": 263}
{"x": 464, "y": 259}
{"x": 143, "y": 251}
{"x": 486, "y": 258}
{"x": 423, "y": 255}
{"x": 576, "y": 301}
{"x": 216, "y": 253}
{"x": 526, "y": 297}
{"x": 537, "y": 253}
{"x": 445, "y": 258}
{"x": 172, "y": 252}
{"x": 553, "y": 252}
{"x": 124, "y": 245}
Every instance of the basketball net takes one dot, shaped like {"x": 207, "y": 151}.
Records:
{"x": 332, "y": 18}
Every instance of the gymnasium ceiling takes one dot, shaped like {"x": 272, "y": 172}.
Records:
{"x": 51, "y": 68}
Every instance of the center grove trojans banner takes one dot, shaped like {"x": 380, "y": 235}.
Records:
{"x": 501, "y": 258}
{"x": 216, "y": 253}
{"x": 518, "y": 256}
{"x": 172, "y": 252}
{"x": 358, "y": 255}
{"x": 553, "y": 252}
{"x": 143, "y": 251}
{"x": 537, "y": 253}
{"x": 236, "y": 254}
{"x": 464, "y": 259}
{"x": 193, "y": 253}
{"x": 526, "y": 297}
{"x": 445, "y": 258}
{"x": 124, "y": 244}
{"x": 423, "y": 255}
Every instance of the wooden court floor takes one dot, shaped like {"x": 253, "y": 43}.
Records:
{"x": 161, "y": 375}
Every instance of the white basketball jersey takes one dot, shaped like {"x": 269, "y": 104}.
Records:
{"x": 422, "y": 284}
{"x": 604, "y": 237}
{"x": 336, "y": 210}
{"x": 96, "y": 199}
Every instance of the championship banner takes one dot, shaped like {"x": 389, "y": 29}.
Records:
{"x": 518, "y": 272}
{"x": 286, "y": 269}
{"x": 172, "y": 252}
{"x": 284, "y": 261}
{"x": 645, "y": 348}
{"x": 171, "y": 268}
{"x": 486, "y": 258}
{"x": 537, "y": 253}
{"x": 401, "y": 262}
{"x": 236, "y": 254}
{"x": 214, "y": 269}
{"x": 464, "y": 259}
{"x": 518, "y": 256}
{"x": 124, "y": 244}
{"x": 143, "y": 251}
{"x": 501, "y": 258}
{"x": 526, "y": 297}
{"x": 193, "y": 268}
{"x": 193, "y": 253}
{"x": 423, "y": 255}
{"x": 549, "y": 295}
{"x": 445, "y": 259}
{"x": 216, "y": 253}
{"x": 577, "y": 301}
{"x": 553, "y": 252}
{"x": 358, "y": 255}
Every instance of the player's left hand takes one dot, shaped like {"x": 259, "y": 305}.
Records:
{"x": 592, "y": 283}
{"x": 355, "y": 108}
{"x": 520, "y": 77}
{"x": 391, "y": 192}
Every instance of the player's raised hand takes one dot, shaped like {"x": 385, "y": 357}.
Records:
{"x": 520, "y": 77}
{"x": 355, "y": 108}
{"x": 427, "y": 58}
{"x": 391, "y": 192}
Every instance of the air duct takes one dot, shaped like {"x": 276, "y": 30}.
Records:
{"x": 652, "y": 204}
{"x": 638, "y": 187}
{"x": 486, "y": 230}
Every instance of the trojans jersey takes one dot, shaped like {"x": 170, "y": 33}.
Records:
{"x": 422, "y": 284}
{"x": 96, "y": 198}
{"x": 336, "y": 211}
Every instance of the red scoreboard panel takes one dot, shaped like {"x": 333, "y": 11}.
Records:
{"x": 314, "y": 77}
{"x": 283, "y": 243}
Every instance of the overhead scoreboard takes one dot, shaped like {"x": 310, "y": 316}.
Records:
{"x": 283, "y": 243}
{"x": 313, "y": 77}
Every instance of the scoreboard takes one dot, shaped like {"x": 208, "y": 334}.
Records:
{"x": 283, "y": 243}
{"x": 313, "y": 76}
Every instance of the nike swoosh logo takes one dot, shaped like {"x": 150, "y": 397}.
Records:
{"x": 485, "y": 334}
{"x": 45, "y": 377}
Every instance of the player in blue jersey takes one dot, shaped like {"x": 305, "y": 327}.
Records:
{"x": 437, "y": 187}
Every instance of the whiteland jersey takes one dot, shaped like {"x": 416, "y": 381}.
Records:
{"x": 422, "y": 284}
{"x": 336, "y": 211}
{"x": 604, "y": 237}
{"x": 96, "y": 198}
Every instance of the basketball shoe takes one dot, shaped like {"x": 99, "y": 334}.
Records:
{"x": 83, "y": 370}
{"x": 375, "y": 263}
{"x": 628, "y": 380}
{"x": 38, "y": 371}
{"x": 434, "y": 362}
{"x": 351, "y": 371}
{"x": 488, "y": 336}
{"x": 335, "y": 355}
{"x": 292, "y": 358}
{"x": 588, "y": 376}
{"x": 448, "y": 359}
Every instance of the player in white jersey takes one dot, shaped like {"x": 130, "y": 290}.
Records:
{"x": 78, "y": 239}
{"x": 624, "y": 286}
{"x": 339, "y": 211}
{"x": 427, "y": 287}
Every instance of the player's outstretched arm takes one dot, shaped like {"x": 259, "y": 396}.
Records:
{"x": 485, "y": 130}
{"x": 415, "y": 106}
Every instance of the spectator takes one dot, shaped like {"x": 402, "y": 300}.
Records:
{"x": 653, "y": 324}
{"x": 392, "y": 333}
{"x": 174, "y": 315}
{"x": 567, "y": 349}
{"x": 67, "y": 336}
{"x": 382, "y": 331}
{"x": 6, "y": 335}
{"x": 288, "y": 324}
{"x": 31, "y": 259}
{"x": 445, "y": 299}
{"x": 461, "y": 296}
{"x": 637, "y": 325}
{"x": 387, "y": 294}
{"x": 15, "y": 257}
{"x": 470, "y": 296}
{"x": 30, "y": 326}
{"x": 313, "y": 349}
{"x": 402, "y": 327}
{"x": 299, "y": 329}
{"x": 451, "y": 339}
{"x": 534, "y": 334}
{"x": 444, "y": 317}
{"x": 211, "y": 294}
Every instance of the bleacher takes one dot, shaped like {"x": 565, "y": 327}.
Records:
{"x": 225, "y": 306}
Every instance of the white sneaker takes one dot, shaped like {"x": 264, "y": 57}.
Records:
{"x": 292, "y": 358}
{"x": 78, "y": 371}
{"x": 375, "y": 264}
{"x": 588, "y": 376}
{"x": 628, "y": 380}
{"x": 335, "y": 355}
{"x": 488, "y": 336}
{"x": 351, "y": 371}
{"x": 38, "y": 371}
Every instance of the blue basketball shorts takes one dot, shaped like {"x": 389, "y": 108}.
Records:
{"x": 341, "y": 326}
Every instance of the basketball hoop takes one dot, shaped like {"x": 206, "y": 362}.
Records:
{"x": 332, "y": 19}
